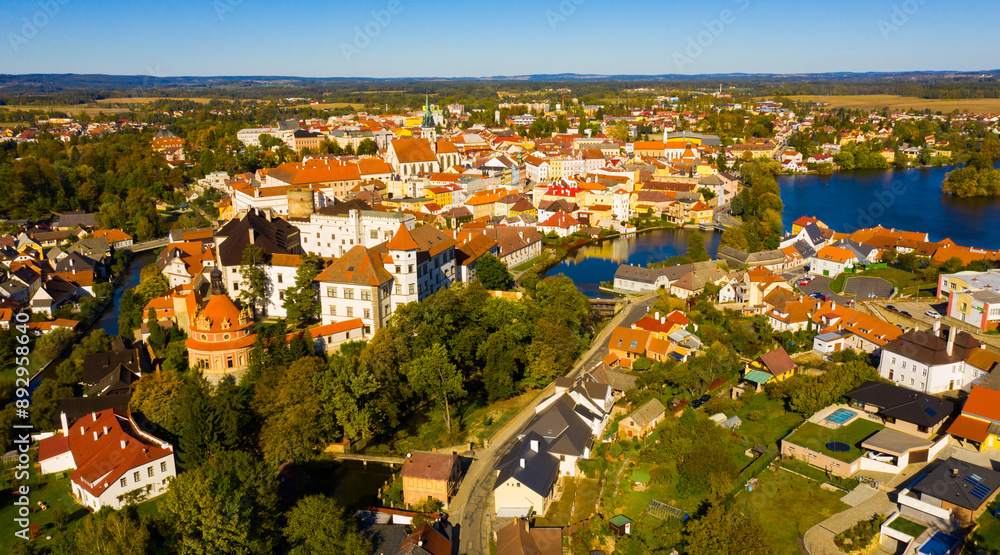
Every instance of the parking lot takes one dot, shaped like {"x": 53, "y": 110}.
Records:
{"x": 821, "y": 284}
{"x": 916, "y": 310}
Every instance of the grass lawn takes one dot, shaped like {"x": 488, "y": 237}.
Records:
{"x": 55, "y": 493}
{"x": 819, "y": 474}
{"x": 526, "y": 265}
{"x": 586, "y": 496}
{"x": 987, "y": 535}
{"x": 787, "y": 506}
{"x": 908, "y": 527}
{"x": 772, "y": 420}
{"x": 470, "y": 423}
{"x": 837, "y": 285}
{"x": 815, "y": 437}
{"x": 560, "y": 512}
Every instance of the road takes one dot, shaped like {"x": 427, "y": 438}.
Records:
{"x": 473, "y": 504}
{"x": 723, "y": 215}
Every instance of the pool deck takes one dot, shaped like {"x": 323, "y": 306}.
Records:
{"x": 820, "y": 417}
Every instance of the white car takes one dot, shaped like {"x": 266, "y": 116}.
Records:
{"x": 933, "y": 314}
{"x": 880, "y": 457}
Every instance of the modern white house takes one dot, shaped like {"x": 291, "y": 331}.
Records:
{"x": 936, "y": 361}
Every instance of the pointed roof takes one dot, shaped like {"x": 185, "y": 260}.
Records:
{"x": 402, "y": 240}
{"x": 359, "y": 265}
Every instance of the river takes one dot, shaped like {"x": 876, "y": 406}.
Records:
{"x": 591, "y": 264}
{"x": 109, "y": 320}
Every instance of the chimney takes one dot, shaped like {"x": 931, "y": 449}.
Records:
{"x": 522, "y": 463}
{"x": 663, "y": 320}
{"x": 951, "y": 340}
{"x": 96, "y": 435}
{"x": 534, "y": 445}
{"x": 65, "y": 424}
{"x": 657, "y": 314}
{"x": 251, "y": 235}
{"x": 954, "y": 472}
{"x": 94, "y": 414}
{"x": 937, "y": 328}
{"x": 106, "y": 429}
{"x": 124, "y": 443}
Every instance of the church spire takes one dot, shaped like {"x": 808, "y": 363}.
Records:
{"x": 428, "y": 122}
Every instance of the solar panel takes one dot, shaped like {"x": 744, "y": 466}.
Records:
{"x": 980, "y": 491}
{"x": 976, "y": 478}
{"x": 930, "y": 411}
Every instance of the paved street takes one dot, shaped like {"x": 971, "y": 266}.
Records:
{"x": 473, "y": 504}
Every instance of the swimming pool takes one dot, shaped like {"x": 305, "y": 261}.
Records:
{"x": 840, "y": 416}
{"x": 939, "y": 544}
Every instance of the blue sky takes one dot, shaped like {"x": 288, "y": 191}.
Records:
{"x": 426, "y": 38}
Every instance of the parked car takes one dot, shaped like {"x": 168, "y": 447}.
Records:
{"x": 880, "y": 457}
{"x": 805, "y": 281}
{"x": 907, "y": 314}
{"x": 816, "y": 295}
{"x": 700, "y": 401}
{"x": 890, "y": 307}
{"x": 933, "y": 314}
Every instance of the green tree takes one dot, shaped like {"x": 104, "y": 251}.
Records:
{"x": 109, "y": 532}
{"x": 696, "y": 247}
{"x": 432, "y": 375}
{"x": 301, "y": 300}
{"x": 228, "y": 505}
{"x": 253, "y": 280}
{"x": 157, "y": 396}
{"x": 288, "y": 401}
{"x": 493, "y": 273}
{"x": 367, "y": 147}
{"x": 316, "y": 524}
{"x": 157, "y": 335}
{"x": 721, "y": 531}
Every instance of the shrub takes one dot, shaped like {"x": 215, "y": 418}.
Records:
{"x": 754, "y": 415}
{"x": 615, "y": 450}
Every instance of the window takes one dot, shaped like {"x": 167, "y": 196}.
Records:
{"x": 348, "y": 293}
{"x": 333, "y": 311}
{"x": 350, "y": 312}
{"x": 411, "y": 289}
{"x": 397, "y": 269}
{"x": 229, "y": 361}
{"x": 368, "y": 313}
{"x": 411, "y": 269}
{"x": 399, "y": 289}
{"x": 280, "y": 278}
{"x": 923, "y": 429}
{"x": 373, "y": 234}
{"x": 904, "y": 365}
{"x": 135, "y": 476}
{"x": 163, "y": 467}
{"x": 366, "y": 295}
{"x": 911, "y": 381}
{"x": 894, "y": 360}
{"x": 281, "y": 295}
{"x": 236, "y": 286}
{"x": 234, "y": 270}
{"x": 123, "y": 482}
{"x": 331, "y": 292}
{"x": 149, "y": 471}
{"x": 203, "y": 363}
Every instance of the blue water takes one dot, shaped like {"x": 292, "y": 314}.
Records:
{"x": 939, "y": 544}
{"x": 589, "y": 265}
{"x": 840, "y": 416}
{"x": 910, "y": 200}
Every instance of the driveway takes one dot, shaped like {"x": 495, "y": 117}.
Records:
{"x": 821, "y": 284}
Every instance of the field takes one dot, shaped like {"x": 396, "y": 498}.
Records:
{"x": 331, "y": 105}
{"x": 787, "y": 506}
{"x": 89, "y": 110}
{"x": 148, "y": 99}
{"x": 893, "y": 102}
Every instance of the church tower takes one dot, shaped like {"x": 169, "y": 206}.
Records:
{"x": 427, "y": 130}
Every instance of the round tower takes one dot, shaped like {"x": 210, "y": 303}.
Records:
{"x": 300, "y": 203}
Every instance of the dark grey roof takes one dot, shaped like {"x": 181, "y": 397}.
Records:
{"x": 860, "y": 250}
{"x": 116, "y": 382}
{"x": 814, "y": 233}
{"x": 903, "y": 404}
{"x": 343, "y": 208}
{"x": 927, "y": 348}
{"x": 539, "y": 469}
{"x": 274, "y": 236}
{"x": 960, "y": 483}
{"x": 98, "y": 365}
{"x": 554, "y": 420}
{"x": 78, "y": 407}
{"x": 75, "y": 261}
{"x": 73, "y": 219}
{"x": 804, "y": 248}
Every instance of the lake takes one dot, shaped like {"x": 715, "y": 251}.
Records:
{"x": 903, "y": 199}
{"x": 910, "y": 200}
{"x": 591, "y": 264}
